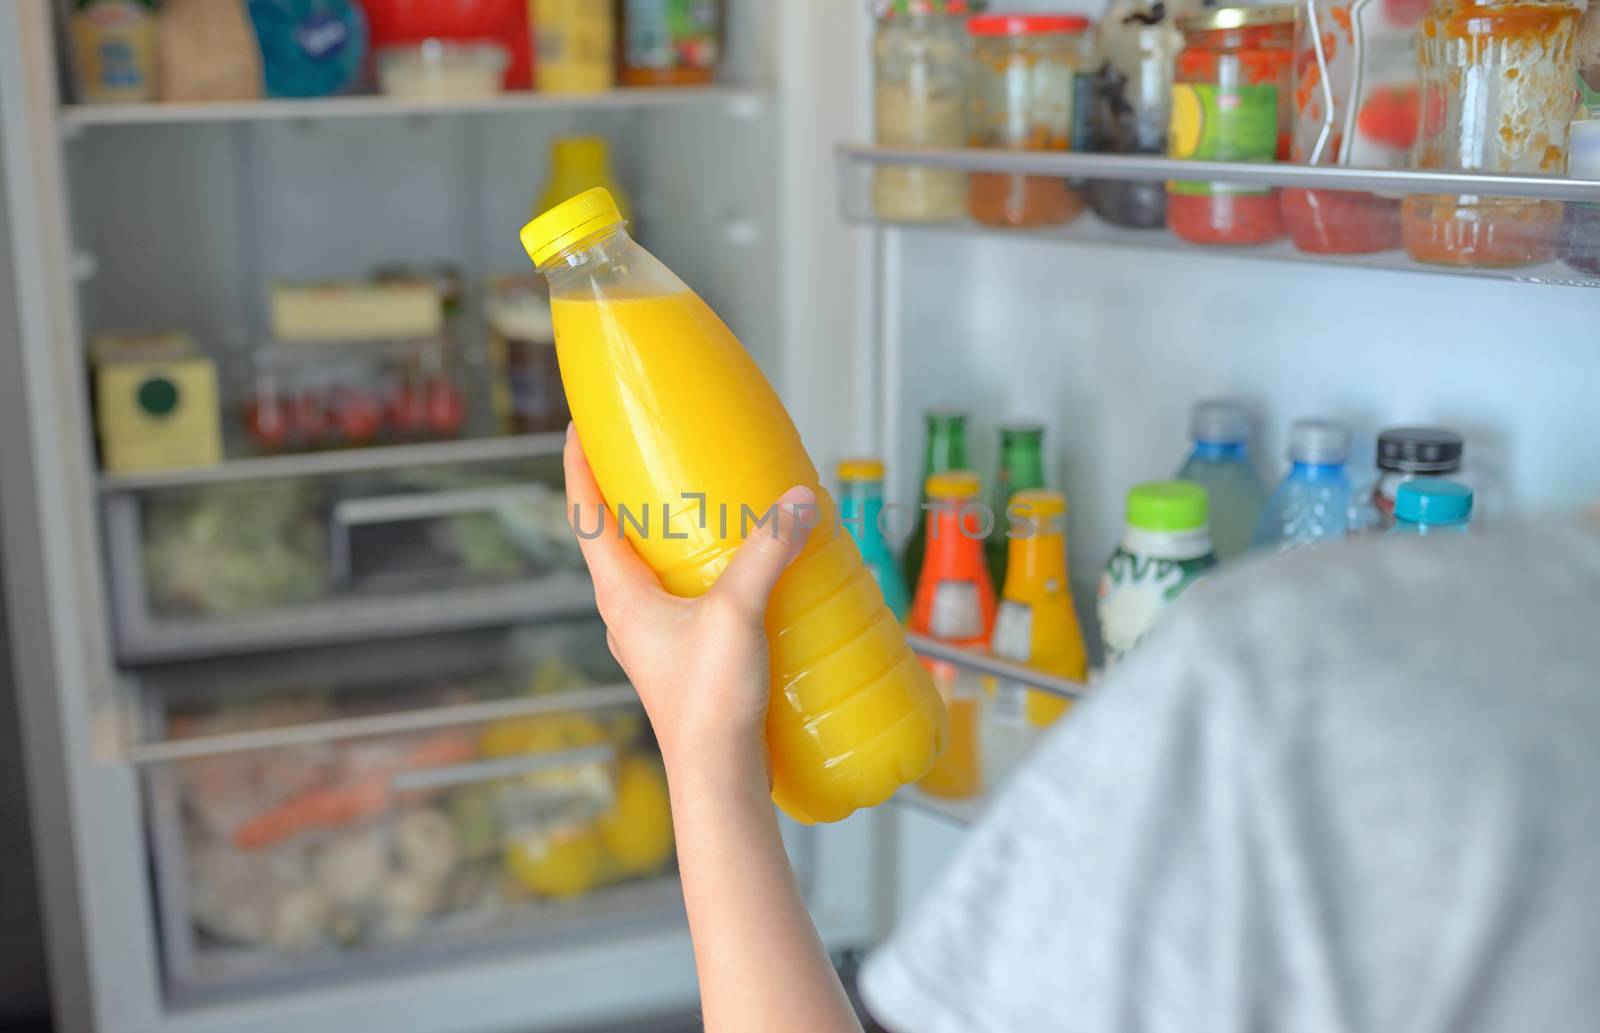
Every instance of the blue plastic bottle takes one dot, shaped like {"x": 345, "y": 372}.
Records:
{"x": 1432, "y": 506}
{"x": 1220, "y": 463}
{"x": 1314, "y": 503}
{"x": 860, "y": 505}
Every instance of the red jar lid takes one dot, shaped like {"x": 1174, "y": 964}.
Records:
{"x": 1025, "y": 24}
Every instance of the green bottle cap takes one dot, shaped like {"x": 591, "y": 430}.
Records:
{"x": 1167, "y": 506}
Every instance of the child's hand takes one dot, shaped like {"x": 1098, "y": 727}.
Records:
{"x": 699, "y": 665}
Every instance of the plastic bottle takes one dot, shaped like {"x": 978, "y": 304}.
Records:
{"x": 860, "y": 510}
{"x": 946, "y": 450}
{"x": 1314, "y": 502}
{"x": 579, "y": 163}
{"x": 1165, "y": 549}
{"x": 1432, "y": 506}
{"x": 1220, "y": 463}
{"x": 1406, "y": 453}
{"x": 955, "y": 602}
{"x": 1021, "y": 469}
{"x": 667, "y": 403}
{"x": 1037, "y": 624}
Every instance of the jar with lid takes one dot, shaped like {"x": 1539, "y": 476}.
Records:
{"x": 1138, "y": 44}
{"x": 1331, "y": 53}
{"x": 1580, "y": 246}
{"x": 1406, "y": 453}
{"x": 670, "y": 42}
{"x": 1024, "y": 67}
{"x": 1497, "y": 96}
{"x": 919, "y": 57}
{"x": 1231, "y": 101}
{"x": 526, "y": 387}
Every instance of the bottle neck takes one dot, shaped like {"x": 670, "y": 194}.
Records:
{"x": 955, "y": 541}
{"x": 860, "y": 507}
{"x": 1305, "y": 471}
{"x": 1036, "y": 564}
{"x": 1021, "y": 469}
{"x": 1219, "y": 451}
{"x": 605, "y": 245}
{"x": 947, "y": 448}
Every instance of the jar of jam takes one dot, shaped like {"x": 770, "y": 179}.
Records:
{"x": 1231, "y": 101}
{"x": 919, "y": 98}
{"x": 670, "y": 42}
{"x": 1024, "y": 73}
{"x": 1497, "y": 90}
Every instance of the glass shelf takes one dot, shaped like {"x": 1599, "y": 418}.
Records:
{"x": 1551, "y": 221}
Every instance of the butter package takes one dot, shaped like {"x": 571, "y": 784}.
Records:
{"x": 156, "y": 403}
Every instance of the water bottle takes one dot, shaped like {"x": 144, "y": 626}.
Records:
{"x": 1314, "y": 502}
{"x": 1220, "y": 463}
{"x": 1432, "y": 506}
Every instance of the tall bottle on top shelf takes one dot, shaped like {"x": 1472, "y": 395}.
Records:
{"x": 1037, "y": 624}
{"x": 861, "y": 511}
{"x": 1220, "y": 463}
{"x": 1021, "y": 469}
{"x": 1315, "y": 502}
{"x": 946, "y": 451}
{"x": 955, "y": 602}
{"x": 1165, "y": 549}
{"x": 853, "y": 714}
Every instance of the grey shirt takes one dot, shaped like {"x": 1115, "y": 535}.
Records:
{"x": 1356, "y": 789}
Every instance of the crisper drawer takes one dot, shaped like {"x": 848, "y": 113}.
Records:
{"x": 505, "y": 793}
{"x": 222, "y": 567}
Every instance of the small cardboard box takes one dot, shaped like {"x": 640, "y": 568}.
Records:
{"x": 156, "y": 402}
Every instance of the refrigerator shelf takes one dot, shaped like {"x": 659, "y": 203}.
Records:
{"x": 983, "y": 663}
{"x": 339, "y": 461}
{"x": 77, "y": 117}
{"x": 1578, "y": 240}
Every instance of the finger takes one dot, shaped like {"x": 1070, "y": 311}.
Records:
{"x": 620, "y": 576}
{"x": 762, "y": 559}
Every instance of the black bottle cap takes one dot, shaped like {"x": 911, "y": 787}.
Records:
{"x": 1419, "y": 450}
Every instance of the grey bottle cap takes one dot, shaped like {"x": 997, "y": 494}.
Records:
{"x": 1419, "y": 450}
{"x": 1319, "y": 441}
{"x": 1220, "y": 421}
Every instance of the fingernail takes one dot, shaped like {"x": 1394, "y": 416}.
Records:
{"x": 569, "y": 430}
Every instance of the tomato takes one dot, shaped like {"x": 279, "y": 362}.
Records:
{"x": 357, "y": 415}
{"x": 268, "y": 425}
{"x": 1390, "y": 116}
{"x": 446, "y": 409}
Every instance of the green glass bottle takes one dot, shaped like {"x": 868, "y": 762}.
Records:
{"x": 947, "y": 450}
{"x": 1021, "y": 469}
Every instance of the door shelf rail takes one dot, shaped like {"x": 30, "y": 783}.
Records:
{"x": 984, "y": 663}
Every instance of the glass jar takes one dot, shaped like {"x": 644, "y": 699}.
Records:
{"x": 919, "y": 99}
{"x": 1497, "y": 95}
{"x": 1133, "y": 105}
{"x": 1580, "y": 247}
{"x": 1231, "y": 101}
{"x": 670, "y": 42}
{"x": 1330, "y": 51}
{"x": 1024, "y": 68}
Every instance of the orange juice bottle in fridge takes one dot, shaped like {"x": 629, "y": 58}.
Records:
{"x": 685, "y": 434}
{"x": 1037, "y": 624}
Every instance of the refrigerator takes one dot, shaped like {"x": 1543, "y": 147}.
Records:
{"x": 163, "y": 679}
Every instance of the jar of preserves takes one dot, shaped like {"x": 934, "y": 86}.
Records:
{"x": 1497, "y": 96}
{"x": 1139, "y": 42}
{"x": 919, "y": 58}
{"x": 1331, "y": 50}
{"x": 1024, "y": 68}
{"x": 1231, "y": 101}
{"x": 670, "y": 42}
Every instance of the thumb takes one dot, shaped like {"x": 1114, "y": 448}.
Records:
{"x": 748, "y": 580}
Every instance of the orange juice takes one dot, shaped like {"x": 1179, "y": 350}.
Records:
{"x": 690, "y": 446}
{"x": 1037, "y": 624}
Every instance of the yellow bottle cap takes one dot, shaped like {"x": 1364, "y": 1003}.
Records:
{"x": 952, "y": 484}
{"x": 1039, "y": 504}
{"x": 861, "y": 468}
{"x": 569, "y": 222}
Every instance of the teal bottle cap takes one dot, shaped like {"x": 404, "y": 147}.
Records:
{"x": 1433, "y": 500}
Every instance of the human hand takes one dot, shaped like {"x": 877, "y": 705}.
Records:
{"x": 699, "y": 665}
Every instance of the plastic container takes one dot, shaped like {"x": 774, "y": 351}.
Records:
{"x": 1132, "y": 108}
{"x": 500, "y": 23}
{"x": 114, "y": 51}
{"x": 577, "y": 41}
{"x": 955, "y": 602}
{"x": 670, "y": 42}
{"x": 1314, "y": 503}
{"x": 309, "y": 48}
{"x": 1430, "y": 507}
{"x": 919, "y": 96}
{"x": 1408, "y": 453}
{"x": 861, "y": 512}
{"x": 1220, "y": 463}
{"x": 1037, "y": 624}
{"x": 1497, "y": 96}
{"x": 1231, "y": 101}
{"x": 853, "y": 714}
{"x": 436, "y": 70}
{"x": 1021, "y": 469}
{"x": 1025, "y": 69}
{"x": 1165, "y": 549}
{"x": 946, "y": 449}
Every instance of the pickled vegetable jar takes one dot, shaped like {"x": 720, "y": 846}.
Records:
{"x": 1497, "y": 95}
{"x": 670, "y": 42}
{"x": 1024, "y": 72}
{"x": 919, "y": 100}
{"x": 1231, "y": 101}
{"x": 1139, "y": 42}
